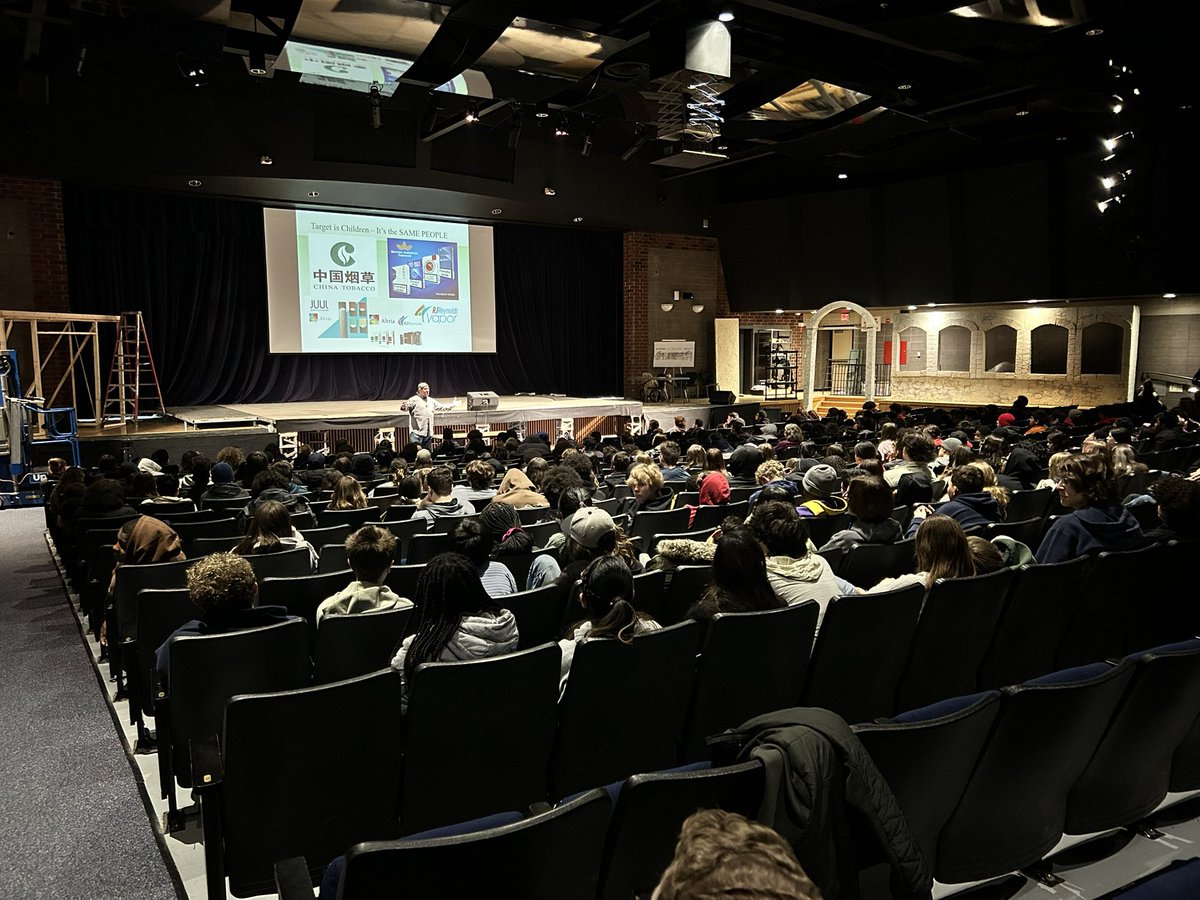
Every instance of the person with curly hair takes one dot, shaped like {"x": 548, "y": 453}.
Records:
{"x": 1097, "y": 521}
{"x": 1178, "y": 509}
{"x": 223, "y": 587}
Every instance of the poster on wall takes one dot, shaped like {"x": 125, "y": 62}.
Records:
{"x": 674, "y": 354}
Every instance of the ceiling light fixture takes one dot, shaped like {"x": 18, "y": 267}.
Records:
{"x": 1169, "y": 296}
{"x": 1094, "y": 32}
{"x": 931, "y": 304}
{"x": 911, "y": 307}
{"x": 637, "y": 145}
{"x": 726, "y": 14}
{"x": 472, "y": 115}
{"x": 779, "y": 312}
{"x": 562, "y": 127}
{"x": 549, "y": 191}
{"x": 258, "y": 62}
{"x": 577, "y": 219}
{"x": 497, "y": 211}
{"x": 314, "y": 193}
{"x": 904, "y": 87}
{"x": 265, "y": 160}
{"x": 195, "y": 182}
{"x": 842, "y": 176}
{"x": 542, "y": 111}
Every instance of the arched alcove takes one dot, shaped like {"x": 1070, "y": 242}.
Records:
{"x": 954, "y": 349}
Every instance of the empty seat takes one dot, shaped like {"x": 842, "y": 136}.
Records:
{"x": 449, "y": 524}
{"x": 712, "y": 516}
{"x": 456, "y": 715}
{"x": 424, "y": 547}
{"x": 403, "y": 529}
{"x": 1032, "y": 504}
{"x": 650, "y": 810}
{"x": 280, "y": 785}
{"x": 333, "y": 534}
{"x": 205, "y": 528}
{"x": 1014, "y": 805}
{"x": 876, "y": 627}
{"x": 205, "y": 546}
{"x": 1128, "y": 775}
{"x": 554, "y": 855}
{"x": 623, "y": 708}
{"x": 953, "y": 635}
{"x": 926, "y": 756}
{"x": 351, "y": 645}
{"x": 648, "y": 592}
{"x": 865, "y": 565}
{"x": 539, "y": 613}
{"x": 332, "y": 557}
{"x": 519, "y": 563}
{"x": 160, "y": 611}
{"x": 1041, "y": 605}
{"x": 751, "y": 663}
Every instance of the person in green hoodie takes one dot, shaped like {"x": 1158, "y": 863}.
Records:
{"x": 371, "y": 551}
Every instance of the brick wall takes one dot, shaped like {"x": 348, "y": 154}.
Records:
{"x": 33, "y": 263}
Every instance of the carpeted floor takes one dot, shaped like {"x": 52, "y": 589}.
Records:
{"x": 72, "y": 823}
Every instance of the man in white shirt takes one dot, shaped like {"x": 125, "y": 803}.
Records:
{"x": 420, "y": 415}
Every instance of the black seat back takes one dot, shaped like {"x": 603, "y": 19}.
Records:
{"x": 205, "y": 546}
{"x": 207, "y": 670}
{"x": 423, "y": 547}
{"x": 302, "y": 594}
{"x": 752, "y": 663}
{"x": 687, "y": 587}
{"x": 651, "y": 809}
{"x": 350, "y": 518}
{"x": 1033, "y": 504}
{"x": 876, "y": 627}
{"x": 822, "y": 528}
{"x": 554, "y": 855}
{"x": 539, "y": 613}
{"x": 294, "y": 781}
{"x": 623, "y": 708}
{"x": 712, "y": 516}
{"x": 865, "y": 565}
{"x": 135, "y": 577}
{"x": 519, "y": 563}
{"x": 1107, "y": 613}
{"x": 455, "y": 713}
{"x": 1040, "y": 607}
{"x": 953, "y": 635}
{"x": 159, "y": 612}
{"x": 358, "y": 644}
{"x": 284, "y": 564}
{"x": 403, "y": 579}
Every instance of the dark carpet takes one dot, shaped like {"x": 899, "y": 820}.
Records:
{"x": 72, "y": 822}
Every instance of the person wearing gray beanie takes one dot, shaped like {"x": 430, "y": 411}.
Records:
{"x": 822, "y": 492}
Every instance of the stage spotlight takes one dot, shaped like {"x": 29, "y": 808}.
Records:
{"x": 473, "y": 113}
{"x": 376, "y": 99}
{"x": 192, "y": 70}
{"x": 549, "y": 191}
{"x": 842, "y": 176}
{"x": 562, "y": 128}
{"x": 542, "y": 110}
{"x": 265, "y": 160}
{"x": 1169, "y": 296}
{"x": 726, "y": 14}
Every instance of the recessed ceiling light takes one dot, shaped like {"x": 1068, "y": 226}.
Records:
{"x": 842, "y": 176}
{"x": 1094, "y": 32}
{"x": 195, "y": 182}
{"x": 1061, "y": 137}
{"x": 577, "y": 219}
{"x": 931, "y": 304}
{"x": 265, "y": 160}
{"x": 779, "y": 312}
{"x": 1022, "y": 112}
{"x": 549, "y": 191}
{"x": 314, "y": 193}
{"x": 904, "y": 87}
{"x": 497, "y": 211}
{"x": 1169, "y": 296}
{"x": 1032, "y": 300}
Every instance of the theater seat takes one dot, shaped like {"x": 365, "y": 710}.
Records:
{"x": 358, "y": 644}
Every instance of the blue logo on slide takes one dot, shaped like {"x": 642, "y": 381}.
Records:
{"x": 340, "y": 254}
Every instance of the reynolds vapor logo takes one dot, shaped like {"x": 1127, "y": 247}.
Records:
{"x": 340, "y": 254}
{"x": 431, "y": 315}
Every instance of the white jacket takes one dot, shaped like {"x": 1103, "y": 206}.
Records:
{"x": 478, "y": 637}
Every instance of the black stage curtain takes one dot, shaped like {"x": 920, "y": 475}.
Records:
{"x": 195, "y": 268}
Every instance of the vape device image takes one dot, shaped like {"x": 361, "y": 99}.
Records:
{"x": 342, "y": 320}
{"x": 362, "y": 316}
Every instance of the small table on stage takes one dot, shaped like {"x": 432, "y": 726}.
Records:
{"x": 669, "y": 381}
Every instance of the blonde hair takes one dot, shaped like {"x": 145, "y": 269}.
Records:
{"x": 771, "y": 470}
{"x": 990, "y": 485}
{"x": 645, "y": 475}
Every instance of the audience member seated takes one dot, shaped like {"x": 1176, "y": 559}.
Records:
{"x": 222, "y": 586}
{"x": 1125, "y": 461}
{"x": 695, "y": 458}
{"x": 456, "y": 620}
{"x": 820, "y": 492}
{"x": 650, "y": 492}
{"x": 887, "y": 442}
{"x": 348, "y": 494}
{"x": 723, "y": 854}
{"x": 739, "y": 578}
{"x": 714, "y": 491}
{"x": 104, "y": 499}
{"x": 916, "y": 453}
{"x": 397, "y": 470}
{"x": 439, "y": 502}
{"x": 518, "y": 491}
{"x": 969, "y": 504}
{"x": 591, "y": 532}
{"x": 271, "y": 531}
{"x": 795, "y": 573}
{"x": 1097, "y": 522}
{"x": 477, "y": 544}
{"x": 869, "y": 500}
{"x": 502, "y": 522}
{"x": 271, "y": 485}
{"x": 668, "y": 454}
{"x": 480, "y": 476}
{"x": 371, "y": 551}
{"x": 942, "y": 552}
{"x": 743, "y": 463}
{"x": 446, "y": 447}
{"x": 606, "y": 601}
{"x": 1178, "y": 509}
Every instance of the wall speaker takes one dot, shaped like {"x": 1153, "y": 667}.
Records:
{"x": 721, "y": 398}
{"x": 482, "y": 400}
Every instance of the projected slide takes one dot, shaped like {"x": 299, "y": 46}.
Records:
{"x": 369, "y": 283}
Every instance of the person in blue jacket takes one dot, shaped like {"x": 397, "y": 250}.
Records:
{"x": 1097, "y": 521}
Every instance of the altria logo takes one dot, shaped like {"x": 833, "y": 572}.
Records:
{"x": 340, "y": 254}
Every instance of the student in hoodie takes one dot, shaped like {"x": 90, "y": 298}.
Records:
{"x": 271, "y": 531}
{"x": 869, "y": 500}
{"x": 1178, "y": 509}
{"x": 969, "y": 504}
{"x": 440, "y": 502}
{"x": 795, "y": 573}
{"x": 456, "y": 620}
{"x": 371, "y": 551}
{"x": 1097, "y": 521}
{"x": 223, "y": 486}
{"x": 819, "y": 492}
{"x": 668, "y": 454}
{"x": 650, "y": 492}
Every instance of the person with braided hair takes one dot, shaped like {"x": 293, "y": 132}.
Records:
{"x": 606, "y": 598}
{"x": 456, "y": 620}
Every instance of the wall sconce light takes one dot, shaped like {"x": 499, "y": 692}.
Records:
{"x": 697, "y": 307}
{"x": 676, "y": 297}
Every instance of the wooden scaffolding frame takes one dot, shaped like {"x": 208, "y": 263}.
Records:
{"x": 77, "y": 332}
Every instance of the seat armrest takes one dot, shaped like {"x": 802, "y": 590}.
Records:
{"x": 292, "y": 879}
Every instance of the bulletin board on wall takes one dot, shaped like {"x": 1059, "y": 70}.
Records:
{"x": 674, "y": 354}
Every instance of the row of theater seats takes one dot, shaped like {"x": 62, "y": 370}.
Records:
{"x": 989, "y": 782}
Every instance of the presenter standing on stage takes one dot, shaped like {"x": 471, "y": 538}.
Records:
{"x": 420, "y": 415}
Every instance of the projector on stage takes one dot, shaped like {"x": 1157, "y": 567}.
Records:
{"x": 482, "y": 400}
